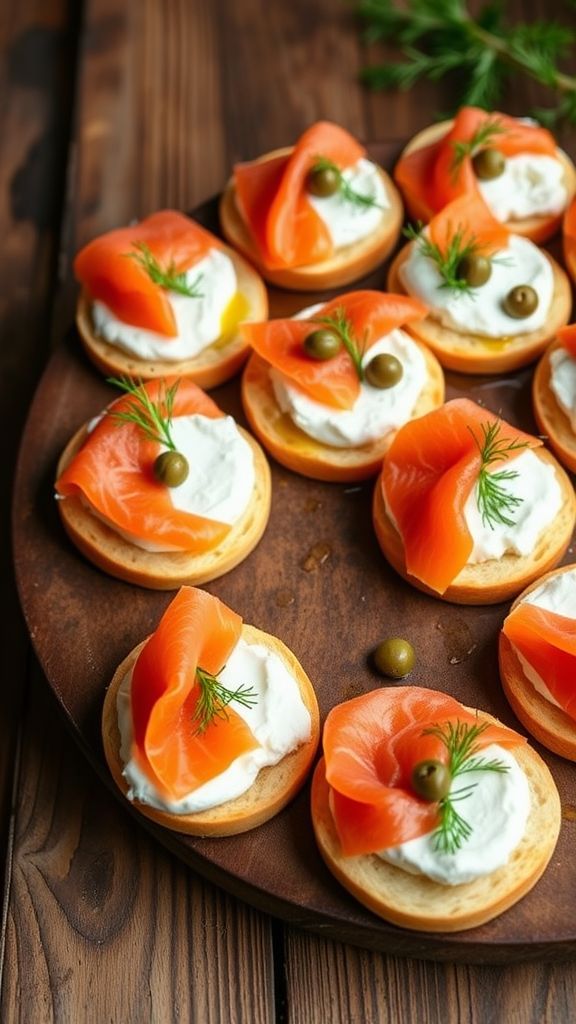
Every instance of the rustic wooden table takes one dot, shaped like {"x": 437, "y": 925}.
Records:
{"x": 110, "y": 109}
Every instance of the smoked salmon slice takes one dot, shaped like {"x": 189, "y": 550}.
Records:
{"x": 333, "y": 382}
{"x": 469, "y": 218}
{"x": 548, "y": 642}
{"x": 432, "y": 465}
{"x": 431, "y": 175}
{"x": 197, "y": 630}
{"x": 274, "y": 203}
{"x": 113, "y": 472}
{"x": 110, "y": 273}
{"x": 569, "y": 233}
{"x": 371, "y": 746}
{"x": 567, "y": 336}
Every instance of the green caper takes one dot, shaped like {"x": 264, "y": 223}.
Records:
{"x": 488, "y": 163}
{"x": 520, "y": 302}
{"x": 394, "y": 657}
{"x": 384, "y": 371}
{"x": 322, "y": 344}
{"x": 475, "y": 269}
{"x": 171, "y": 468}
{"x": 323, "y": 181}
{"x": 431, "y": 780}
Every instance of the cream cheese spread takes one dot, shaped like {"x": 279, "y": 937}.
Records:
{"x": 563, "y": 382}
{"x": 376, "y": 411}
{"x": 279, "y": 720}
{"x": 480, "y": 310}
{"x": 558, "y": 595}
{"x": 347, "y": 221}
{"x": 532, "y": 184}
{"x": 221, "y": 477}
{"x": 541, "y": 500}
{"x": 198, "y": 320}
{"x": 497, "y": 810}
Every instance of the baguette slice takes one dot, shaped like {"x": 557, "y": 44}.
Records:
{"x": 538, "y": 228}
{"x": 474, "y": 353}
{"x": 165, "y": 570}
{"x": 418, "y": 903}
{"x": 545, "y": 721}
{"x": 293, "y": 448}
{"x": 550, "y": 416}
{"x": 348, "y": 264}
{"x": 212, "y": 366}
{"x": 498, "y": 579}
{"x": 274, "y": 786}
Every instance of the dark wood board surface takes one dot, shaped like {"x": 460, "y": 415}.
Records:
{"x": 325, "y": 589}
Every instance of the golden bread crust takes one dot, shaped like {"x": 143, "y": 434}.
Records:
{"x": 274, "y": 786}
{"x": 293, "y": 448}
{"x": 498, "y": 579}
{"x": 165, "y": 570}
{"x": 472, "y": 353}
{"x": 347, "y": 265}
{"x": 211, "y": 367}
{"x": 550, "y": 417}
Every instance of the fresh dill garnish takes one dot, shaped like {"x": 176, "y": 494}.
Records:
{"x": 460, "y": 741}
{"x": 459, "y": 248}
{"x": 342, "y": 326}
{"x": 440, "y": 37}
{"x": 495, "y": 503}
{"x": 169, "y": 278}
{"x": 322, "y": 164}
{"x": 214, "y": 699}
{"x": 153, "y": 417}
{"x": 484, "y": 134}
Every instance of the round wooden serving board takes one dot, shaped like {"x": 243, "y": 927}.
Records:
{"x": 319, "y": 582}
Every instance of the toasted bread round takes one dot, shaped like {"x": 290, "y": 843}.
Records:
{"x": 418, "y": 903}
{"x": 537, "y": 228}
{"x": 212, "y": 366}
{"x": 348, "y": 264}
{"x": 545, "y": 721}
{"x": 293, "y": 448}
{"x": 165, "y": 570}
{"x": 550, "y": 416}
{"x": 474, "y": 353}
{"x": 499, "y": 579}
{"x": 273, "y": 787}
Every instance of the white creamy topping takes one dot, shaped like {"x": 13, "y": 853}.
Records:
{"x": 198, "y": 321}
{"x": 497, "y": 810}
{"x": 221, "y": 475}
{"x": 479, "y": 310}
{"x": 563, "y": 382}
{"x": 532, "y": 184}
{"x": 376, "y": 410}
{"x": 279, "y": 720}
{"x": 349, "y": 222}
{"x": 541, "y": 500}
{"x": 558, "y": 595}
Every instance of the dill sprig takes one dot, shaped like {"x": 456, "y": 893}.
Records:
{"x": 344, "y": 187}
{"x": 461, "y": 743}
{"x": 484, "y": 134}
{"x": 153, "y": 418}
{"x": 342, "y": 326}
{"x": 495, "y": 503}
{"x": 440, "y": 37}
{"x": 168, "y": 278}
{"x": 214, "y": 699}
{"x": 459, "y": 248}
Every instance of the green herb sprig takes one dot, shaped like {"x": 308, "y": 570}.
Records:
{"x": 495, "y": 503}
{"x": 214, "y": 699}
{"x": 168, "y": 278}
{"x": 342, "y": 326}
{"x": 483, "y": 135}
{"x": 154, "y": 418}
{"x": 460, "y": 247}
{"x": 483, "y": 51}
{"x": 461, "y": 743}
{"x": 345, "y": 189}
